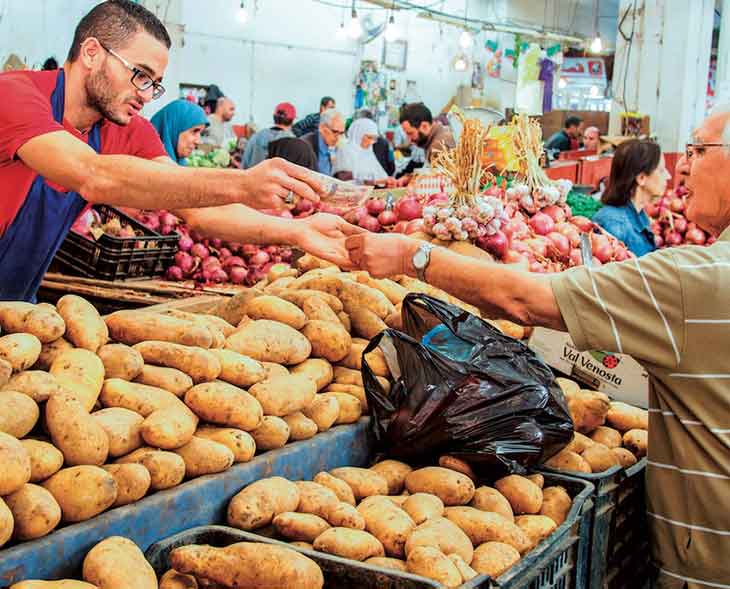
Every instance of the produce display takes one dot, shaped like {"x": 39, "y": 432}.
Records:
{"x": 434, "y": 521}
{"x": 607, "y": 434}
{"x": 90, "y": 225}
{"x": 669, "y": 224}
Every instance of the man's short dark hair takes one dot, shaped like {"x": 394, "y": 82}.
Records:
{"x": 572, "y": 121}
{"x": 325, "y": 101}
{"x": 364, "y": 113}
{"x": 113, "y": 22}
{"x": 281, "y": 119}
{"x": 416, "y": 113}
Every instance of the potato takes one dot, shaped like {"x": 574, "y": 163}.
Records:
{"x": 222, "y": 325}
{"x": 63, "y": 584}
{"x": 300, "y": 426}
{"x": 302, "y": 527}
{"x": 377, "y": 363}
{"x": 389, "y": 524}
{"x": 169, "y": 379}
{"x": 276, "y": 309}
{"x": 84, "y": 326}
{"x": 272, "y": 434}
{"x": 637, "y": 442}
{"x": 535, "y": 527}
{"x": 133, "y": 327}
{"x": 6, "y": 523}
{"x": 118, "y": 562}
{"x": 166, "y": 469}
{"x": 82, "y": 373}
{"x": 323, "y": 412}
{"x": 133, "y": 482}
{"x": 394, "y": 472}
{"x": 453, "y": 488}
{"x": 358, "y": 296}
{"x": 484, "y": 526}
{"x": 250, "y": 565}
{"x": 18, "y": 413}
{"x": 316, "y": 499}
{"x": 494, "y": 559}
{"x": 489, "y": 499}
{"x": 35, "y": 511}
{"x": 344, "y": 320}
{"x": 538, "y": 479}
{"x": 42, "y": 322}
{"x": 607, "y": 436}
{"x": 239, "y": 370}
{"x": 344, "y": 515}
{"x": 239, "y": 442}
{"x": 202, "y": 456}
{"x": 350, "y": 407}
{"x": 272, "y": 369}
{"x": 393, "y": 291}
{"x": 14, "y": 464}
{"x": 36, "y": 384}
{"x": 353, "y": 360}
{"x": 233, "y": 309}
{"x": 362, "y": 481}
{"x": 284, "y": 395}
{"x": 217, "y": 337}
{"x": 123, "y": 428}
{"x": 45, "y": 459}
{"x": 569, "y": 461}
{"x": 385, "y": 562}
{"x": 599, "y": 458}
{"x": 556, "y": 504}
{"x": 174, "y": 580}
{"x": 120, "y": 361}
{"x": 442, "y": 534}
{"x": 568, "y": 387}
{"x": 328, "y": 340}
{"x": 316, "y": 309}
{"x": 324, "y": 280}
{"x": 169, "y": 428}
{"x": 225, "y": 404}
{"x": 300, "y": 296}
{"x": 433, "y": 564}
{"x": 260, "y": 502}
{"x": 82, "y": 491}
{"x": 588, "y": 409}
{"x": 316, "y": 369}
{"x": 423, "y": 506}
{"x": 50, "y": 351}
{"x": 523, "y": 495}
{"x": 365, "y": 323}
{"x": 624, "y": 417}
{"x": 579, "y": 443}
{"x": 338, "y": 486}
{"x": 79, "y": 436}
{"x": 458, "y": 465}
{"x": 625, "y": 458}
{"x": 20, "y": 349}
{"x": 199, "y": 364}
{"x": 395, "y": 320}
{"x": 349, "y": 543}
{"x": 270, "y": 341}
{"x": 350, "y": 389}
{"x": 140, "y": 398}
{"x": 6, "y": 371}
{"x": 279, "y": 285}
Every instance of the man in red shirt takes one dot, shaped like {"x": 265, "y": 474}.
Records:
{"x": 74, "y": 137}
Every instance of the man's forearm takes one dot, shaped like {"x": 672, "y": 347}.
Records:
{"x": 500, "y": 292}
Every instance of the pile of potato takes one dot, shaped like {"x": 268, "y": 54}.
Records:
{"x": 607, "y": 434}
{"x": 432, "y": 521}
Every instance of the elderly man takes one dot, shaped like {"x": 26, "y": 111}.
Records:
{"x": 220, "y": 129}
{"x": 669, "y": 311}
{"x": 591, "y": 138}
{"x": 324, "y": 140}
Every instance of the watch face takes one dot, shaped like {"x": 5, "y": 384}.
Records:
{"x": 419, "y": 260}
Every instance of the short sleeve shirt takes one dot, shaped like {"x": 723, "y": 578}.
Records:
{"x": 25, "y": 113}
{"x": 670, "y": 311}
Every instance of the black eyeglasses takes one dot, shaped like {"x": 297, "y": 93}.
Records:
{"x": 335, "y": 131}
{"x": 698, "y": 149}
{"x": 140, "y": 80}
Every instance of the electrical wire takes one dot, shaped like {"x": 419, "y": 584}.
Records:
{"x": 629, "y": 40}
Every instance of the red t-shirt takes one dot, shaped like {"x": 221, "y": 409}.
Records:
{"x": 26, "y": 112}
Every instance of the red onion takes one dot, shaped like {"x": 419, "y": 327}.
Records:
{"x": 555, "y": 212}
{"x": 414, "y": 226}
{"x": 711, "y": 239}
{"x": 271, "y": 249}
{"x": 211, "y": 263}
{"x": 200, "y": 251}
{"x": 497, "y": 244}
{"x": 513, "y": 257}
{"x": 575, "y": 257}
{"x": 695, "y": 236}
{"x": 286, "y": 255}
{"x": 249, "y": 249}
{"x": 224, "y": 253}
{"x": 437, "y": 199}
{"x": 400, "y": 226}
{"x": 259, "y": 258}
{"x": 516, "y": 228}
{"x": 652, "y": 209}
{"x": 375, "y": 206}
{"x": 167, "y": 229}
{"x": 601, "y": 247}
{"x": 168, "y": 219}
{"x": 408, "y": 209}
{"x": 658, "y": 241}
{"x": 195, "y": 236}
{"x": 537, "y": 267}
{"x": 561, "y": 245}
{"x": 185, "y": 262}
{"x": 370, "y": 223}
{"x": 237, "y": 274}
{"x": 571, "y": 232}
{"x": 387, "y": 218}
{"x": 218, "y": 275}
{"x": 542, "y": 224}
{"x": 539, "y": 246}
{"x": 620, "y": 253}
{"x": 582, "y": 223}
{"x": 303, "y": 206}
{"x": 232, "y": 262}
{"x": 672, "y": 238}
{"x": 677, "y": 205}
{"x": 680, "y": 224}
{"x": 185, "y": 243}
{"x": 174, "y": 273}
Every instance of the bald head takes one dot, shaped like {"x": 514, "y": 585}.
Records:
{"x": 225, "y": 109}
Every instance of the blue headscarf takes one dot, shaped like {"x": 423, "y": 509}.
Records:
{"x": 177, "y": 117}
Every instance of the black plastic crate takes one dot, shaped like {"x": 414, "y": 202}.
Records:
{"x": 146, "y": 255}
{"x": 619, "y": 555}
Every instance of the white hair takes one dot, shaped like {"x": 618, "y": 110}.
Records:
{"x": 329, "y": 115}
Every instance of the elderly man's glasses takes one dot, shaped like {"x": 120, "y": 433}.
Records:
{"x": 336, "y": 132}
{"x": 698, "y": 149}
{"x": 140, "y": 79}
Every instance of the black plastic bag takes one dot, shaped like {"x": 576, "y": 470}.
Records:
{"x": 469, "y": 392}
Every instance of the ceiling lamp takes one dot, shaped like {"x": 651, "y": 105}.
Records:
{"x": 354, "y": 28}
{"x": 242, "y": 14}
{"x": 562, "y": 83}
{"x": 466, "y": 40}
{"x": 392, "y": 32}
{"x": 596, "y": 44}
{"x": 461, "y": 63}
{"x": 341, "y": 33}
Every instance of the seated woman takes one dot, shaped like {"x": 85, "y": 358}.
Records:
{"x": 295, "y": 151}
{"x": 180, "y": 124}
{"x": 356, "y": 160}
{"x": 638, "y": 174}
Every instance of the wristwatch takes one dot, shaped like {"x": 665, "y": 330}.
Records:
{"x": 421, "y": 259}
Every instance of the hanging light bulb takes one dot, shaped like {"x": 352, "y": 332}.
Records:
{"x": 354, "y": 28}
{"x": 594, "y": 91}
{"x": 562, "y": 83}
{"x": 242, "y": 14}
{"x": 466, "y": 39}
{"x": 461, "y": 63}
{"x": 392, "y": 32}
{"x": 596, "y": 44}
{"x": 341, "y": 33}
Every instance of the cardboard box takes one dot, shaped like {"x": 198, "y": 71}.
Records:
{"x": 619, "y": 376}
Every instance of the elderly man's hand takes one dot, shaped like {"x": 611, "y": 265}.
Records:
{"x": 268, "y": 185}
{"x": 382, "y": 254}
{"x": 324, "y": 235}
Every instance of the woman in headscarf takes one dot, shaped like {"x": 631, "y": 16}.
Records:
{"x": 180, "y": 124}
{"x": 356, "y": 158}
{"x": 295, "y": 151}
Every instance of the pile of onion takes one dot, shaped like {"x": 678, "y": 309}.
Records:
{"x": 668, "y": 222}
